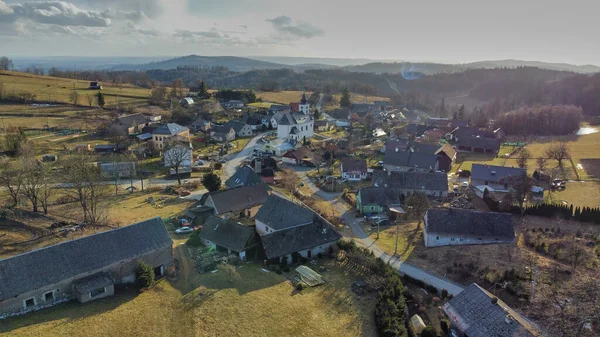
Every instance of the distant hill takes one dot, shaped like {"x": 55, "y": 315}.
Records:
{"x": 234, "y": 63}
{"x": 436, "y": 68}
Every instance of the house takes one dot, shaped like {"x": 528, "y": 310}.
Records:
{"x": 353, "y": 168}
{"x": 410, "y": 160}
{"x": 278, "y": 108}
{"x": 378, "y": 133}
{"x": 255, "y": 123}
{"x": 244, "y": 176}
{"x": 300, "y": 156}
{"x": 117, "y": 170}
{"x": 178, "y": 154}
{"x": 241, "y": 129}
{"x": 408, "y": 183}
{"x": 131, "y": 124}
{"x": 222, "y": 133}
{"x": 447, "y": 124}
{"x": 233, "y": 104}
{"x": 381, "y": 105}
{"x": 451, "y": 226}
{"x": 95, "y": 86}
{"x": 362, "y": 109}
{"x": 167, "y": 132}
{"x": 478, "y": 144}
{"x": 392, "y": 144}
{"x": 85, "y": 269}
{"x": 144, "y": 137}
{"x": 187, "y": 102}
{"x": 289, "y": 230}
{"x": 277, "y": 146}
{"x": 230, "y": 237}
{"x": 295, "y": 125}
{"x": 496, "y": 177}
{"x": 376, "y": 200}
{"x": 477, "y": 313}
{"x": 239, "y": 202}
{"x": 416, "y": 130}
{"x": 499, "y": 133}
{"x": 200, "y": 125}
{"x": 323, "y": 125}
{"x": 446, "y": 157}
{"x": 459, "y": 132}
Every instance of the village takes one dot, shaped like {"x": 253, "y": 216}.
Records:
{"x": 309, "y": 197}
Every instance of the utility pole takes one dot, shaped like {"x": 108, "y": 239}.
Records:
{"x": 533, "y": 283}
{"x": 396, "y": 250}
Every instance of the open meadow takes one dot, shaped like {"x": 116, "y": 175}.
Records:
{"x": 59, "y": 90}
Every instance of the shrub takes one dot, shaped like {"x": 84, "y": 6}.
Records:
{"x": 445, "y": 327}
{"x": 229, "y": 271}
{"x": 319, "y": 256}
{"x": 286, "y": 269}
{"x": 194, "y": 239}
{"x": 144, "y": 275}
{"x": 444, "y": 293}
{"x": 278, "y": 271}
{"x": 299, "y": 287}
{"x": 429, "y": 332}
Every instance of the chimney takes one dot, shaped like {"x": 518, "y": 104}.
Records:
{"x": 494, "y": 300}
{"x": 389, "y": 173}
{"x": 493, "y": 173}
{"x": 258, "y": 166}
{"x": 397, "y": 149}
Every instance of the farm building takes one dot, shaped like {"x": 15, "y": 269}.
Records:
{"x": 376, "y": 200}
{"x": 408, "y": 183}
{"x": 241, "y": 202}
{"x": 450, "y": 226}
{"x": 231, "y": 237}
{"x": 496, "y": 177}
{"x": 85, "y": 269}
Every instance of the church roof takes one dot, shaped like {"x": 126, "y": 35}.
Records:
{"x": 304, "y": 100}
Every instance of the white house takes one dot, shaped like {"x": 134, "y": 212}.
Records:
{"x": 298, "y": 125}
{"x": 450, "y": 226}
{"x": 354, "y": 169}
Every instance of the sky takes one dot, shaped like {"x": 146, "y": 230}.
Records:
{"x": 457, "y": 31}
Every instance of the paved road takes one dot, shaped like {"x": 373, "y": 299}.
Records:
{"x": 236, "y": 159}
{"x": 362, "y": 237}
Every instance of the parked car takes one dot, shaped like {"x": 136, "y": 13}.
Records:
{"x": 464, "y": 173}
{"x": 184, "y": 230}
{"x": 465, "y": 184}
{"x": 223, "y": 161}
{"x": 376, "y": 218}
{"x": 200, "y": 163}
{"x": 380, "y": 223}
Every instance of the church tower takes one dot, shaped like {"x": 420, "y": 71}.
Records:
{"x": 304, "y": 106}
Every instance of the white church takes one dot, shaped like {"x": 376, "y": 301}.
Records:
{"x": 294, "y": 125}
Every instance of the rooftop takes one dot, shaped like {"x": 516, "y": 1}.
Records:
{"x": 244, "y": 176}
{"x": 228, "y": 234}
{"x": 411, "y": 180}
{"x": 132, "y": 120}
{"x": 287, "y": 241}
{"x": 495, "y": 173}
{"x": 171, "y": 129}
{"x": 470, "y": 223}
{"x": 354, "y": 164}
{"x": 381, "y": 196}
{"x": 279, "y": 213}
{"x": 422, "y": 160}
{"x": 239, "y": 198}
{"x": 49, "y": 265}
{"x": 477, "y": 313}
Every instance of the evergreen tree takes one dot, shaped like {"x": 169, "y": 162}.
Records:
{"x": 203, "y": 90}
{"x": 101, "y": 101}
{"x": 345, "y": 101}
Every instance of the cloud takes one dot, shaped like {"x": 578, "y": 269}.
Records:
{"x": 287, "y": 27}
{"x": 135, "y": 16}
{"x": 213, "y": 37}
{"x": 134, "y": 29}
{"x": 53, "y": 12}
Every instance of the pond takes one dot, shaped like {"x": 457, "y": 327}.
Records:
{"x": 586, "y": 131}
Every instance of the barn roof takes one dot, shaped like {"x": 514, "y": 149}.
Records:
{"x": 33, "y": 270}
{"x": 455, "y": 221}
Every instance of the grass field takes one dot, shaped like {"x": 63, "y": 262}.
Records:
{"x": 258, "y": 304}
{"x": 281, "y": 97}
{"x": 407, "y": 235}
{"x": 59, "y": 90}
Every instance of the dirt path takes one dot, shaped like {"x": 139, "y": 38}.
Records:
{"x": 187, "y": 276}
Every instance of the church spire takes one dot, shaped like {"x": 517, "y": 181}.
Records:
{"x": 304, "y": 100}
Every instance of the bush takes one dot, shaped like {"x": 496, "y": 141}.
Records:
{"x": 144, "y": 275}
{"x": 299, "y": 287}
{"x": 286, "y": 269}
{"x": 278, "y": 271}
{"x": 194, "y": 239}
{"x": 445, "y": 327}
{"x": 444, "y": 293}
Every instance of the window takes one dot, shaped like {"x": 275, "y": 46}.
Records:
{"x": 437, "y": 237}
{"x": 49, "y": 296}
{"x": 451, "y": 239}
{"x": 97, "y": 292}
{"x": 30, "y": 302}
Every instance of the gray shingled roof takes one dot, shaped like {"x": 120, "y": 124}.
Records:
{"x": 472, "y": 132}
{"x": 239, "y": 198}
{"x": 279, "y": 213}
{"x": 393, "y": 144}
{"x": 479, "y": 142}
{"x": 381, "y": 196}
{"x": 170, "y": 129}
{"x": 132, "y": 120}
{"x": 420, "y": 160}
{"x": 93, "y": 282}
{"x": 470, "y": 223}
{"x": 42, "y": 267}
{"x": 237, "y": 126}
{"x": 416, "y": 129}
{"x": 476, "y": 315}
{"x": 495, "y": 173}
{"x": 296, "y": 239}
{"x": 228, "y": 234}
{"x": 244, "y": 176}
{"x": 411, "y": 180}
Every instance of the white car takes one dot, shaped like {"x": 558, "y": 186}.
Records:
{"x": 465, "y": 184}
{"x": 184, "y": 230}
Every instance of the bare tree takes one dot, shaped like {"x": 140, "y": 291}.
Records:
{"x": 523, "y": 157}
{"x": 85, "y": 186}
{"x": 178, "y": 155}
{"x": 90, "y": 100}
{"x": 289, "y": 179}
{"x": 541, "y": 163}
{"x": 521, "y": 189}
{"x": 11, "y": 178}
{"x": 509, "y": 250}
{"x": 559, "y": 152}
{"x": 47, "y": 190}
{"x": 576, "y": 253}
{"x": 417, "y": 205}
{"x": 74, "y": 97}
